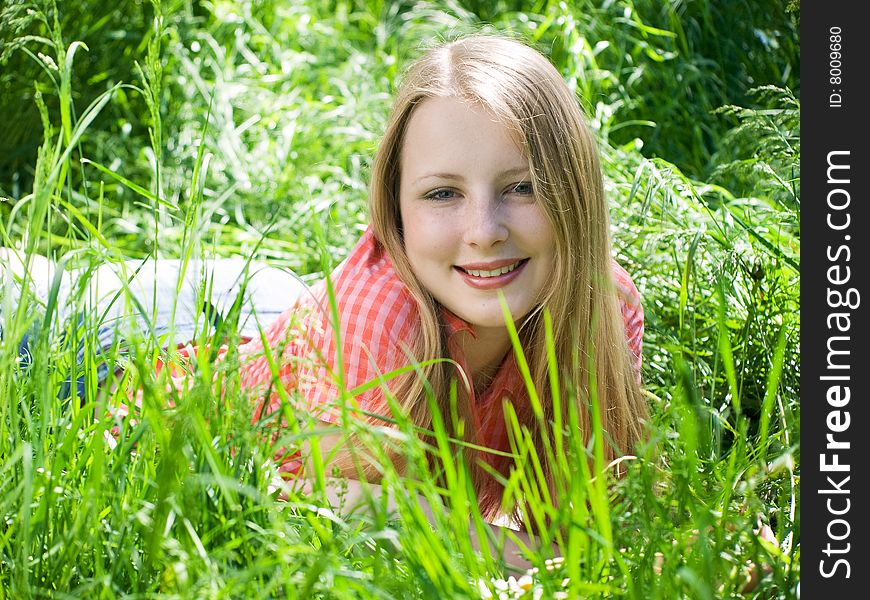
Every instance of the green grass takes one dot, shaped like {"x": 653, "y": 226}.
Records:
{"x": 228, "y": 130}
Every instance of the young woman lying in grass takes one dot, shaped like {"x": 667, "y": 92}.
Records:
{"x": 486, "y": 185}
{"x": 486, "y": 194}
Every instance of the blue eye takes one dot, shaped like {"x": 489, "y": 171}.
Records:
{"x": 440, "y": 194}
{"x": 524, "y": 188}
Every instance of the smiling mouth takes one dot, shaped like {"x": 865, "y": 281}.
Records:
{"x": 495, "y": 272}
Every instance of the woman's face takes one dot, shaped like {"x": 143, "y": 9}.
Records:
{"x": 472, "y": 226}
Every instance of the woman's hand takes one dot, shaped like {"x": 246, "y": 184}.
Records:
{"x": 349, "y": 496}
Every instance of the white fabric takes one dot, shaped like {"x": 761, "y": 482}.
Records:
{"x": 135, "y": 296}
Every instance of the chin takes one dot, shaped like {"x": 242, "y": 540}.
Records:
{"x": 496, "y": 320}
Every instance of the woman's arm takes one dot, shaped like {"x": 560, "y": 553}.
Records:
{"x": 350, "y": 494}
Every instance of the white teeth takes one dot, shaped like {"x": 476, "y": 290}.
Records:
{"x": 493, "y": 273}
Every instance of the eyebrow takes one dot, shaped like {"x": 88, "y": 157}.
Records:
{"x": 509, "y": 172}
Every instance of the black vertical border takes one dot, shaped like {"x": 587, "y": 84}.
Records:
{"x": 831, "y": 126}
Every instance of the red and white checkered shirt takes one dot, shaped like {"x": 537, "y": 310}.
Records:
{"x": 378, "y": 319}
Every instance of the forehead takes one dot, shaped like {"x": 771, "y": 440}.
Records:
{"x": 454, "y": 135}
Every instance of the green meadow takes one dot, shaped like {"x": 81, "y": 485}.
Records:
{"x": 226, "y": 128}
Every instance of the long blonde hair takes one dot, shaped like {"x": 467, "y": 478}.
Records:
{"x": 523, "y": 89}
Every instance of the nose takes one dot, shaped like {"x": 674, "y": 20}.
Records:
{"x": 485, "y": 224}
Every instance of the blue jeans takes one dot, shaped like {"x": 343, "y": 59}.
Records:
{"x": 137, "y": 300}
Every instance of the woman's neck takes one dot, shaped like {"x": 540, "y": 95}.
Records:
{"x": 484, "y": 354}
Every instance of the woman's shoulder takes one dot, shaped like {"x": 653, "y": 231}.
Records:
{"x": 625, "y": 287}
{"x": 632, "y": 314}
{"x": 367, "y": 266}
{"x": 374, "y": 307}
{"x": 377, "y": 317}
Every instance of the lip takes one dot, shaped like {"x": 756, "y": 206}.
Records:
{"x": 491, "y": 283}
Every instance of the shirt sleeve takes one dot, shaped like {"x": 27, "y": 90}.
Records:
{"x": 376, "y": 320}
{"x": 297, "y": 361}
{"x": 632, "y": 315}
{"x": 376, "y": 323}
